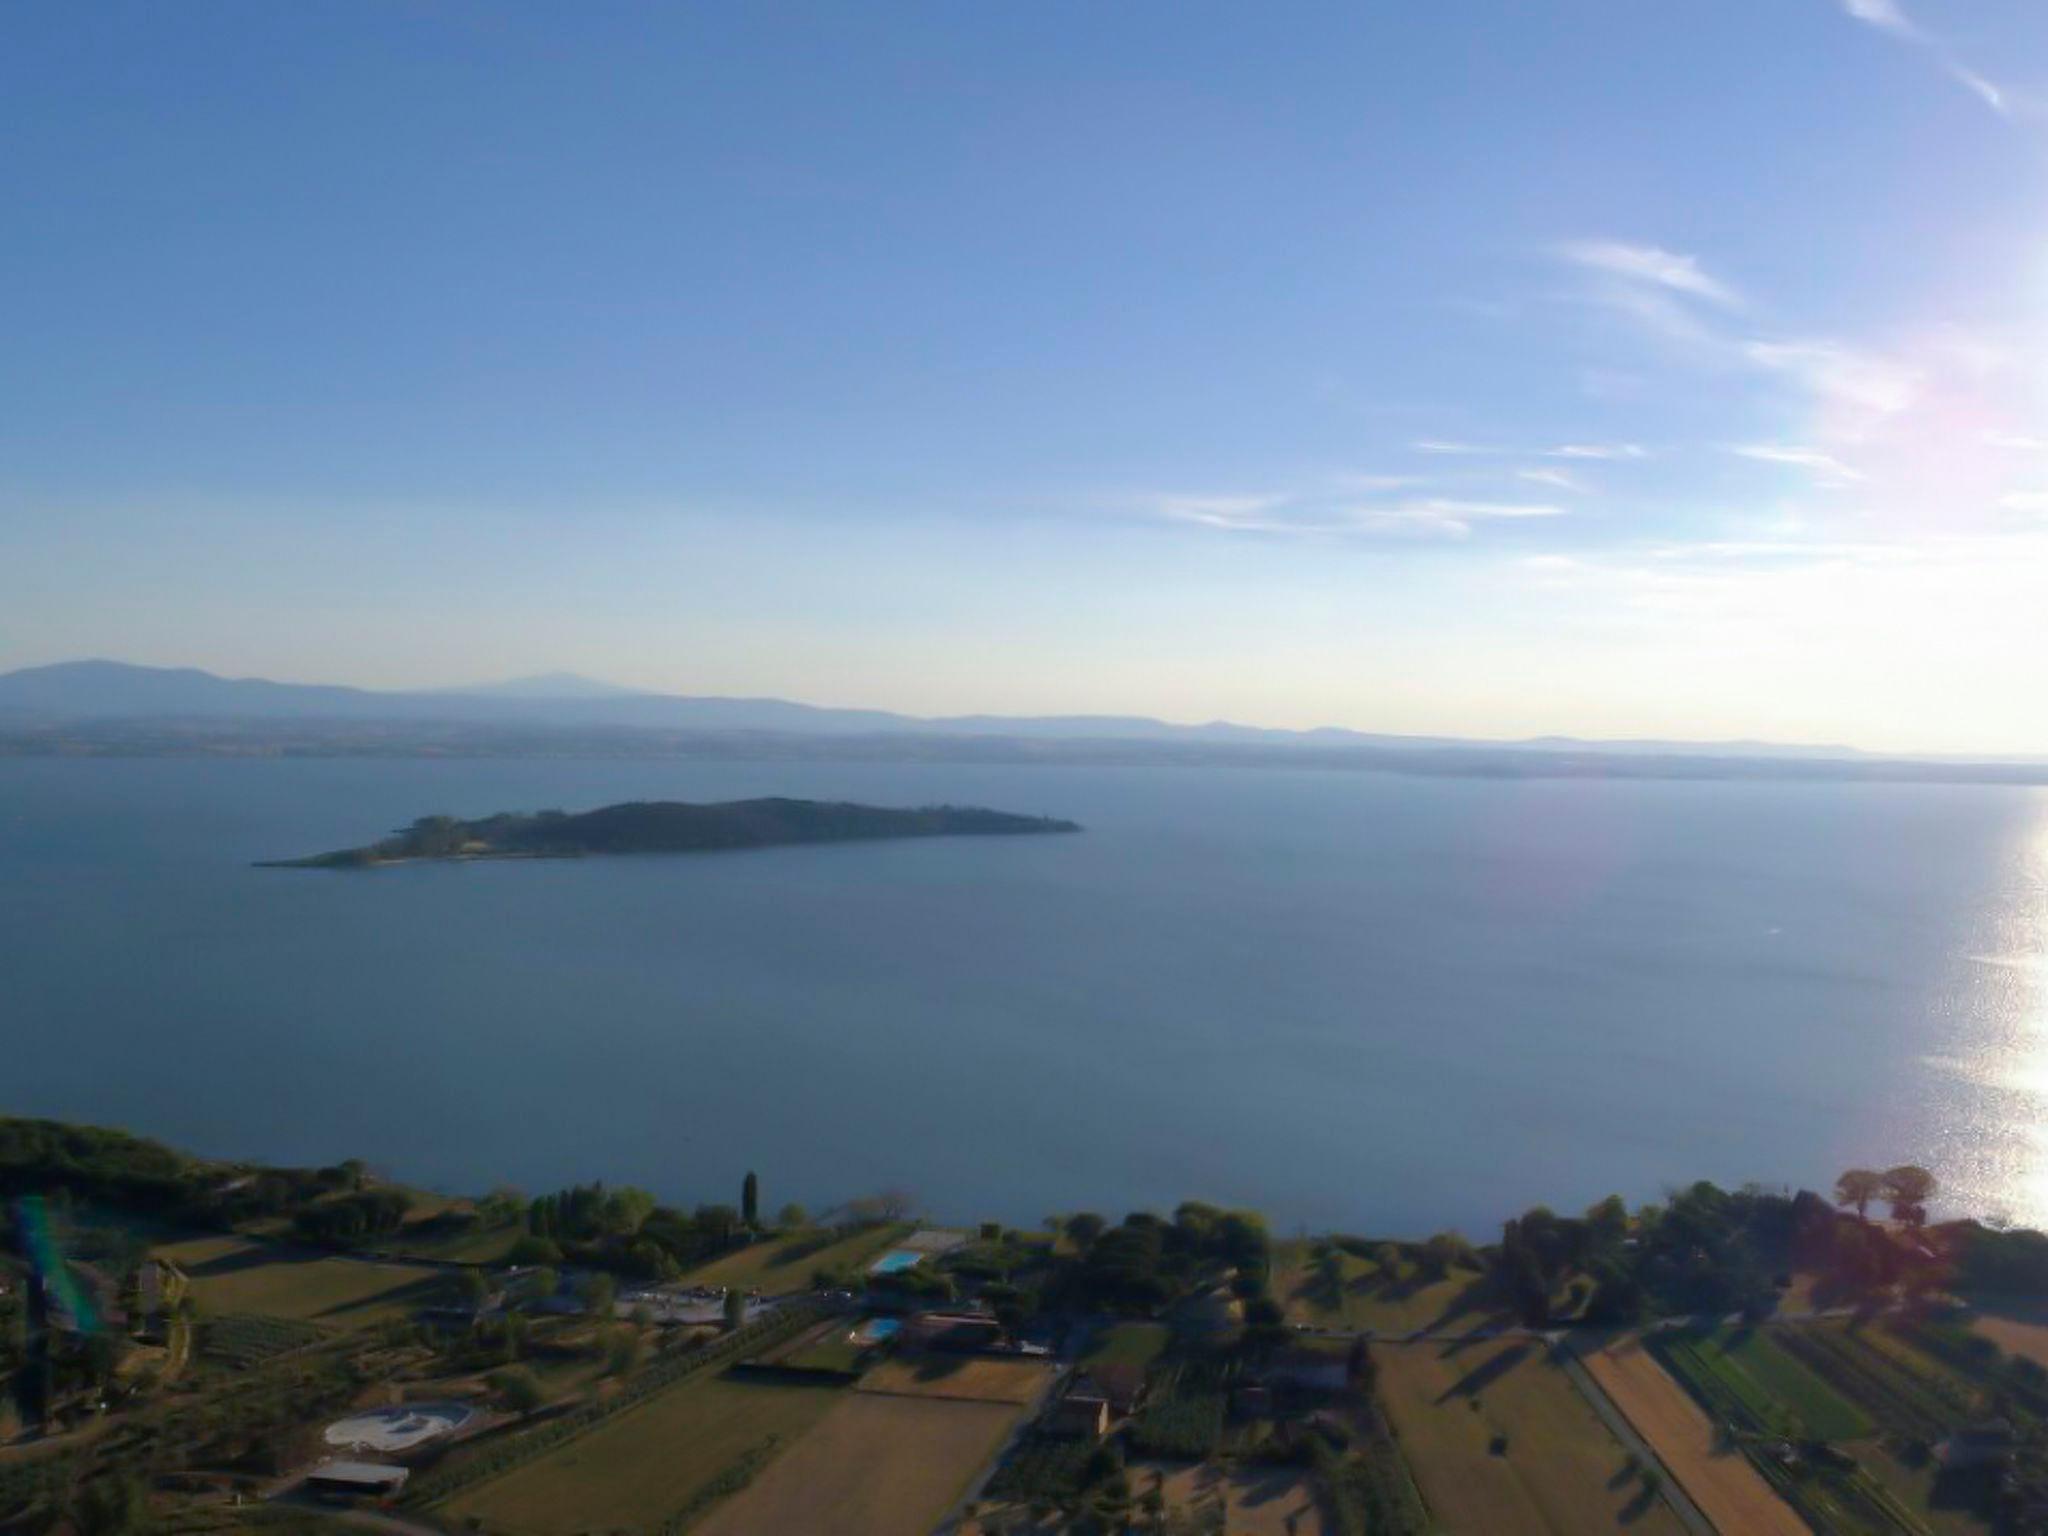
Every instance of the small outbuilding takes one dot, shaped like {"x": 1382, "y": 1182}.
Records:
{"x": 356, "y": 1480}
{"x": 1081, "y": 1414}
{"x": 1989, "y": 1444}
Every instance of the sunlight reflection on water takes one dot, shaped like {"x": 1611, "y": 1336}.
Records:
{"x": 1994, "y": 1148}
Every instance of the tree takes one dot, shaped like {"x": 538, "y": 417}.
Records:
{"x": 516, "y": 1329}
{"x": 624, "y": 1210}
{"x": 896, "y": 1204}
{"x": 1264, "y": 1324}
{"x": 1361, "y": 1369}
{"x": 600, "y": 1296}
{"x": 519, "y": 1388}
{"x": 1330, "y": 1271}
{"x": 792, "y": 1216}
{"x": 1858, "y": 1187}
{"x": 750, "y": 1199}
{"x": 472, "y": 1287}
{"x": 735, "y": 1308}
{"x": 625, "y": 1350}
{"x": 113, "y": 1506}
{"x": 542, "y": 1283}
{"x": 1908, "y": 1188}
{"x": 1441, "y": 1252}
{"x": 1083, "y": 1228}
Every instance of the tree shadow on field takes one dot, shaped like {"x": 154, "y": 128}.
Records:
{"x": 799, "y": 1249}
{"x": 1486, "y": 1373}
{"x": 1473, "y": 1297}
{"x": 935, "y": 1366}
{"x": 414, "y": 1293}
{"x": 1639, "y": 1506}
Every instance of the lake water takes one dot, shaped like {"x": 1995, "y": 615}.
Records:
{"x": 1376, "y": 1003}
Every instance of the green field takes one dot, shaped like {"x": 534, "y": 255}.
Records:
{"x": 479, "y": 1245}
{"x": 784, "y": 1264}
{"x": 1128, "y": 1344}
{"x": 647, "y": 1464}
{"x": 1912, "y": 1398}
{"x": 234, "y": 1275}
{"x": 835, "y": 1351}
{"x": 1745, "y": 1374}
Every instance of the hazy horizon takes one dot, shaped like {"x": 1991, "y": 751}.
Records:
{"x": 1682, "y": 382}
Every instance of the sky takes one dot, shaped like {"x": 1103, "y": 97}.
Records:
{"x": 1608, "y": 367}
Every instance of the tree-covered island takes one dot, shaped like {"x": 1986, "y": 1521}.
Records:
{"x": 670, "y": 826}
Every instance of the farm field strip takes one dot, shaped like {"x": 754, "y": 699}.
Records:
{"x": 1128, "y": 1344}
{"x": 1500, "y": 1441}
{"x": 1747, "y": 1375}
{"x": 642, "y": 1467}
{"x": 783, "y": 1265}
{"x": 234, "y": 1275}
{"x": 1902, "y": 1402}
{"x": 1727, "y": 1489}
{"x": 883, "y": 1465}
{"x": 961, "y": 1378}
{"x": 2027, "y": 1340}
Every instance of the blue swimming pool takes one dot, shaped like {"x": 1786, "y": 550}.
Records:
{"x": 895, "y": 1261}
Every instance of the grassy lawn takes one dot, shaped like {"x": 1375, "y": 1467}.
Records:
{"x": 1128, "y": 1344}
{"x": 484, "y": 1245}
{"x": 562, "y": 1375}
{"x": 1747, "y": 1366}
{"x": 784, "y": 1264}
{"x": 959, "y": 1376}
{"x": 639, "y": 1468}
{"x": 1500, "y": 1441}
{"x": 231, "y": 1274}
{"x": 828, "y": 1347}
{"x": 1392, "y": 1302}
{"x": 882, "y": 1466}
{"x": 836, "y": 1352}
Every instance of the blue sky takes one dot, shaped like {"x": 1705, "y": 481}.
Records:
{"x": 1644, "y": 367}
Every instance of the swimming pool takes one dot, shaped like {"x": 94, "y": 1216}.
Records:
{"x": 895, "y": 1261}
{"x": 877, "y": 1330}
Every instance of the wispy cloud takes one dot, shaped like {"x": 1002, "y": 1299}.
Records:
{"x": 1597, "y": 451}
{"x": 1885, "y": 15}
{"x": 1450, "y": 518}
{"x": 1560, "y": 479}
{"x": 2017, "y": 442}
{"x": 1675, "y": 299}
{"x": 1445, "y": 445}
{"x": 1863, "y": 387}
{"x": 1331, "y": 514}
{"x": 1454, "y": 447}
{"x": 1889, "y": 17}
{"x": 1652, "y": 265}
{"x": 1823, "y": 464}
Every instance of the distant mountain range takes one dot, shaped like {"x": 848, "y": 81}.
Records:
{"x": 103, "y": 691}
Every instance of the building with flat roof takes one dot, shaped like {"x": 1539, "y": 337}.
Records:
{"x": 356, "y": 1480}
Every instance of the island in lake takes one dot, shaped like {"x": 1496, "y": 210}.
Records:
{"x": 669, "y": 826}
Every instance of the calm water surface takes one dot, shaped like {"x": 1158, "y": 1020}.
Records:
{"x": 1377, "y": 1003}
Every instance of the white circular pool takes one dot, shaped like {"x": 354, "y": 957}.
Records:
{"x": 398, "y": 1429}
